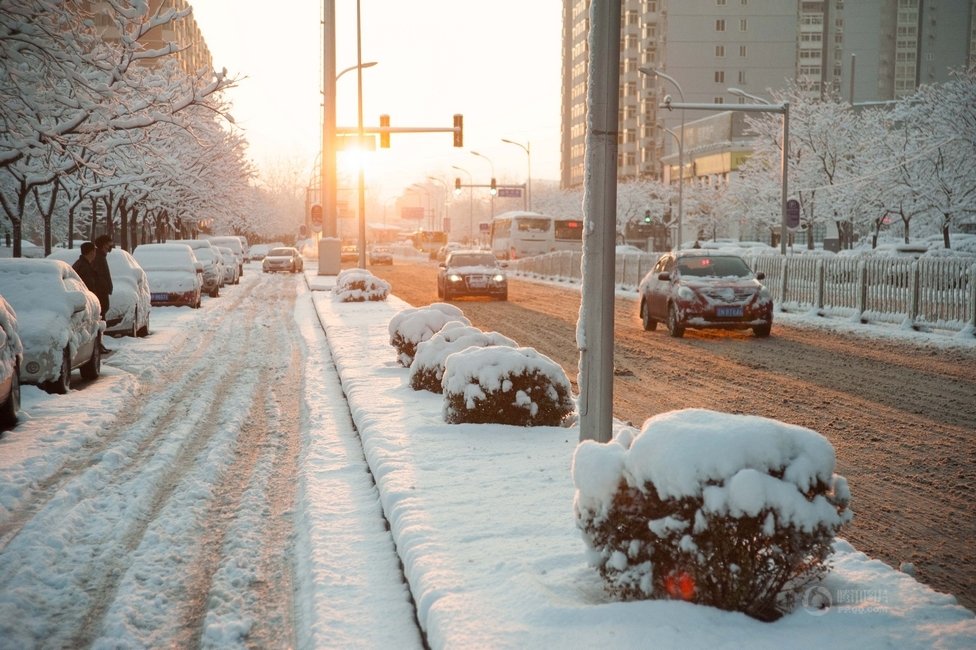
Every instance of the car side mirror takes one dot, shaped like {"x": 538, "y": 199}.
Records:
{"x": 760, "y": 276}
{"x": 664, "y": 277}
{"x": 442, "y": 265}
{"x": 503, "y": 264}
{"x": 78, "y": 301}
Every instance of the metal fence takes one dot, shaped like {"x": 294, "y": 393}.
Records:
{"x": 931, "y": 292}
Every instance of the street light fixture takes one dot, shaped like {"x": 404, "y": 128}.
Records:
{"x": 470, "y": 200}
{"x": 681, "y": 148}
{"x": 783, "y": 108}
{"x": 492, "y": 192}
{"x": 446, "y": 192}
{"x": 527, "y": 148}
{"x": 368, "y": 64}
{"x": 423, "y": 188}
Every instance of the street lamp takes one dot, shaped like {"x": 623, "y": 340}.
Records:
{"x": 681, "y": 150}
{"x": 470, "y": 200}
{"x": 783, "y": 108}
{"x": 360, "y": 132}
{"x": 492, "y": 191}
{"x": 368, "y": 64}
{"x": 422, "y": 188}
{"x": 527, "y": 148}
{"x": 446, "y": 191}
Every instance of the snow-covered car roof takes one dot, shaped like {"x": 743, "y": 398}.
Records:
{"x": 162, "y": 257}
{"x": 283, "y": 251}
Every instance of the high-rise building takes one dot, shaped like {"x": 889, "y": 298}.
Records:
{"x": 708, "y": 46}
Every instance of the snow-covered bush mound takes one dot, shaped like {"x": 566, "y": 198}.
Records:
{"x": 505, "y": 385}
{"x": 733, "y": 511}
{"x": 359, "y": 285}
{"x": 427, "y": 369}
{"x": 411, "y": 327}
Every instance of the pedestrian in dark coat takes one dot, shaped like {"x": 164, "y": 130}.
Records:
{"x": 85, "y": 268}
{"x": 103, "y": 277}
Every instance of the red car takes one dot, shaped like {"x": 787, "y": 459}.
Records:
{"x": 705, "y": 289}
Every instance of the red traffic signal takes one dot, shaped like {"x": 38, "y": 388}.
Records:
{"x": 384, "y": 135}
{"x": 458, "y": 130}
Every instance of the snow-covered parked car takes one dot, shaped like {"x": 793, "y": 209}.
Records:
{"x": 232, "y": 242}
{"x": 11, "y": 357}
{"x": 59, "y": 321}
{"x": 213, "y": 270}
{"x": 129, "y": 304}
{"x": 232, "y": 273}
{"x": 175, "y": 275}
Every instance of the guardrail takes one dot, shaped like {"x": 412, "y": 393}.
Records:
{"x": 936, "y": 292}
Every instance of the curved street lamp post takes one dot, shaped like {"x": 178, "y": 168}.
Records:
{"x": 527, "y": 148}
{"x": 470, "y": 200}
{"x": 681, "y": 152}
{"x": 475, "y": 153}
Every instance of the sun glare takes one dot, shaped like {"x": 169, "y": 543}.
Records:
{"x": 353, "y": 159}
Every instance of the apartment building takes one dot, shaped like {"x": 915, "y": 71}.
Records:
{"x": 193, "y": 55}
{"x": 709, "y": 46}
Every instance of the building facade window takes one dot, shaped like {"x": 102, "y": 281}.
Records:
{"x": 720, "y": 51}
{"x": 719, "y": 76}
{"x": 720, "y": 25}
{"x": 743, "y": 24}
{"x": 742, "y": 50}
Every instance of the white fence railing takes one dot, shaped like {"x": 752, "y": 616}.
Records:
{"x": 937, "y": 292}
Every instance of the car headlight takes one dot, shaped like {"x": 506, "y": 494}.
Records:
{"x": 685, "y": 293}
{"x": 454, "y": 277}
{"x": 764, "y": 293}
{"x": 499, "y": 278}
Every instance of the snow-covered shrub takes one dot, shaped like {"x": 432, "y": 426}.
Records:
{"x": 505, "y": 385}
{"x": 733, "y": 511}
{"x": 411, "y": 327}
{"x": 359, "y": 285}
{"x": 427, "y": 369}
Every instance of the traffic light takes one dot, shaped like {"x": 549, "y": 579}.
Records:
{"x": 647, "y": 216}
{"x": 384, "y": 135}
{"x": 457, "y": 186}
{"x": 458, "y": 130}
{"x": 494, "y": 187}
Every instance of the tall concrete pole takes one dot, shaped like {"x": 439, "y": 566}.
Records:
{"x": 329, "y": 174}
{"x": 594, "y": 330}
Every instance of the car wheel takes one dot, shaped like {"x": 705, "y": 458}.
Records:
{"x": 675, "y": 328}
{"x": 144, "y": 330}
{"x": 8, "y": 410}
{"x": 93, "y": 367}
{"x": 503, "y": 296}
{"x": 448, "y": 296}
{"x": 762, "y": 331}
{"x": 134, "y": 332}
{"x": 215, "y": 293}
{"x": 62, "y": 384}
{"x": 649, "y": 323}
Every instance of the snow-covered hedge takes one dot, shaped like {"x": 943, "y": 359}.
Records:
{"x": 505, "y": 385}
{"x": 427, "y": 369}
{"x": 733, "y": 511}
{"x": 411, "y": 327}
{"x": 359, "y": 285}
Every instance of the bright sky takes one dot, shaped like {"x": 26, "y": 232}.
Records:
{"x": 496, "y": 63}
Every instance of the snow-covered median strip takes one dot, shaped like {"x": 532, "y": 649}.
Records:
{"x": 483, "y": 521}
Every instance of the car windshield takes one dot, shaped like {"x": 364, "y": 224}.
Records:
{"x": 280, "y": 252}
{"x": 713, "y": 267}
{"x": 473, "y": 259}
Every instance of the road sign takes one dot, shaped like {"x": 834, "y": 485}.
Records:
{"x": 316, "y": 218}
{"x": 510, "y": 192}
{"x": 792, "y": 214}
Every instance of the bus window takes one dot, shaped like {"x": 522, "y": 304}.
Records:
{"x": 530, "y": 224}
{"x": 569, "y": 230}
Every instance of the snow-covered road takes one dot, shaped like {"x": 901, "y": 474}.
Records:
{"x": 155, "y": 506}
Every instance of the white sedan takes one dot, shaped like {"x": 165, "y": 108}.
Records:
{"x": 59, "y": 321}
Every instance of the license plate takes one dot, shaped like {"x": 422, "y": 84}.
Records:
{"x": 159, "y": 297}
{"x": 728, "y": 312}
{"x": 477, "y": 282}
